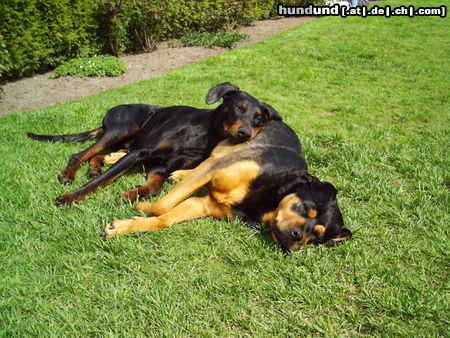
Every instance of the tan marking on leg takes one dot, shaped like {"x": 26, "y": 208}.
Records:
{"x": 96, "y": 161}
{"x": 194, "y": 207}
{"x": 198, "y": 178}
{"x": 343, "y": 235}
{"x": 95, "y": 165}
{"x": 178, "y": 175}
{"x": 223, "y": 149}
{"x": 114, "y": 157}
{"x": 67, "y": 175}
{"x": 98, "y": 132}
{"x": 152, "y": 187}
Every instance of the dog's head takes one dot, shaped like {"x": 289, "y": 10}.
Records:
{"x": 241, "y": 114}
{"x": 309, "y": 215}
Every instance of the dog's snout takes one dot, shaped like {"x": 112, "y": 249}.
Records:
{"x": 244, "y": 133}
{"x": 297, "y": 233}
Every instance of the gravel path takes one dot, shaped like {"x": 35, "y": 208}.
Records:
{"x": 40, "y": 91}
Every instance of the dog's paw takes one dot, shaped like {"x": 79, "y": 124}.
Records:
{"x": 94, "y": 172}
{"x": 130, "y": 195}
{"x": 65, "y": 178}
{"x": 63, "y": 200}
{"x": 124, "y": 226}
{"x": 110, "y": 230}
{"x": 177, "y": 176}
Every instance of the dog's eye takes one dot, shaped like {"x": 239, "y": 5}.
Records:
{"x": 237, "y": 110}
{"x": 257, "y": 120}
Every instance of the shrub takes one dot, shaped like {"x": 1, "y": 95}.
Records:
{"x": 37, "y": 35}
{"x": 94, "y": 66}
{"x": 139, "y": 25}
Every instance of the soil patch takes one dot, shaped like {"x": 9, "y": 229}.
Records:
{"x": 40, "y": 91}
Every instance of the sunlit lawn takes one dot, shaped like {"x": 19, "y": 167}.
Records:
{"x": 369, "y": 98}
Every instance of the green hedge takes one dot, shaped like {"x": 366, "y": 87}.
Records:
{"x": 37, "y": 35}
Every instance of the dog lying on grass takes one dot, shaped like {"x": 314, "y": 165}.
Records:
{"x": 261, "y": 180}
{"x": 163, "y": 139}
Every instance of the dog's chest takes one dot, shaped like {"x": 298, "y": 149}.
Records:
{"x": 230, "y": 185}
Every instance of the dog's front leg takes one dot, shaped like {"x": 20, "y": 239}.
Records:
{"x": 178, "y": 175}
{"x": 197, "y": 178}
{"x": 194, "y": 207}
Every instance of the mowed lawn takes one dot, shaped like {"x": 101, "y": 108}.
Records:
{"x": 369, "y": 98}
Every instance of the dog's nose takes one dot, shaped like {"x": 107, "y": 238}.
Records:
{"x": 297, "y": 233}
{"x": 244, "y": 133}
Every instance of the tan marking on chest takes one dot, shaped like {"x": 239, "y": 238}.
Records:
{"x": 231, "y": 184}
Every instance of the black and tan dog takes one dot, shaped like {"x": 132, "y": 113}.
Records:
{"x": 163, "y": 139}
{"x": 261, "y": 180}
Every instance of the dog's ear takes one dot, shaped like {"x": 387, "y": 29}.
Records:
{"x": 322, "y": 192}
{"x": 220, "y": 91}
{"x": 271, "y": 113}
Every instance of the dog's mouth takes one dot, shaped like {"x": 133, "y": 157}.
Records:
{"x": 290, "y": 241}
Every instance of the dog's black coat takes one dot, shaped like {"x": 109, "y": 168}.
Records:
{"x": 284, "y": 172}
{"x": 163, "y": 139}
{"x": 262, "y": 180}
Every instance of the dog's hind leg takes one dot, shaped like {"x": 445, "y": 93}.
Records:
{"x": 124, "y": 165}
{"x": 96, "y": 163}
{"x": 67, "y": 175}
{"x": 194, "y": 207}
{"x": 153, "y": 186}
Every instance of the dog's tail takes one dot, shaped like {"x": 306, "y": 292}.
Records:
{"x": 81, "y": 137}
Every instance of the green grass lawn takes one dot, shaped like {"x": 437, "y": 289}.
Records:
{"x": 369, "y": 99}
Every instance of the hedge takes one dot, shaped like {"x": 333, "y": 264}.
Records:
{"x": 37, "y": 35}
